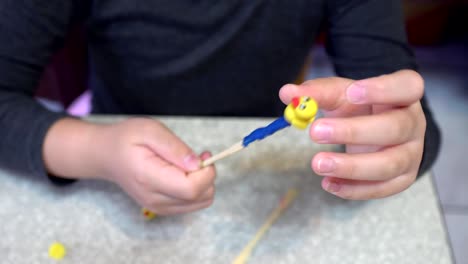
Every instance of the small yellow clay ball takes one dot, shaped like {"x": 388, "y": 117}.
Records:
{"x": 147, "y": 214}
{"x": 57, "y": 251}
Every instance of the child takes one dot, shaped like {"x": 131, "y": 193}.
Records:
{"x": 227, "y": 58}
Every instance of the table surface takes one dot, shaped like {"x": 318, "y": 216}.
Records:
{"x": 98, "y": 223}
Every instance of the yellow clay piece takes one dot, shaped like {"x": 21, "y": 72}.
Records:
{"x": 301, "y": 112}
{"x": 147, "y": 214}
{"x": 57, "y": 251}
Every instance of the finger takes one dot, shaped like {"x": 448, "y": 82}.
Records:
{"x": 162, "y": 200}
{"x": 388, "y": 128}
{"x": 160, "y": 176}
{"x": 208, "y": 195}
{"x": 366, "y": 190}
{"x": 400, "y": 88}
{"x": 182, "y": 209}
{"x": 171, "y": 148}
{"x": 382, "y": 165}
{"x": 328, "y": 92}
{"x": 200, "y": 181}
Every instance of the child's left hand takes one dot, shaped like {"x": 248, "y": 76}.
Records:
{"x": 382, "y": 124}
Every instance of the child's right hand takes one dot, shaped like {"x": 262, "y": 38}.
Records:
{"x": 141, "y": 155}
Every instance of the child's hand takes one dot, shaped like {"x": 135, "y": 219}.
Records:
{"x": 156, "y": 168}
{"x": 382, "y": 124}
{"x": 141, "y": 155}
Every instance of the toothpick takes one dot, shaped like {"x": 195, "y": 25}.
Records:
{"x": 226, "y": 153}
{"x": 285, "y": 202}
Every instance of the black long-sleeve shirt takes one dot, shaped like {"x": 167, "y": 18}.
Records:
{"x": 187, "y": 57}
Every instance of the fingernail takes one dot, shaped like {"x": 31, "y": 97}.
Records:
{"x": 326, "y": 165}
{"x": 205, "y": 155}
{"x": 333, "y": 187}
{"x": 356, "y": 93}
{"x": 322, "y": 133}
{"x": 192, "y": 162}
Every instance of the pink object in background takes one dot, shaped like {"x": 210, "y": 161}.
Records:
{"x": 81, "y": 106}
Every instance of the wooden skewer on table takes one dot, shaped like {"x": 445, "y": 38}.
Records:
{"x": 287, "y": 199}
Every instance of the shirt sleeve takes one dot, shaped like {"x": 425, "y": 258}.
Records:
{"x": 368, "y": 38}
{"x": 30, "y": 31}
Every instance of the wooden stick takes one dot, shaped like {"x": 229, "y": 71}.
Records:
{"x": 227, "y": 152}
{"x": 247, "y": 251}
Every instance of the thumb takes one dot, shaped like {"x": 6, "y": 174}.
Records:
{"x": 171, "y": 148}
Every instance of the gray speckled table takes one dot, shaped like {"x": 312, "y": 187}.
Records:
{"x": 98, "y": 223}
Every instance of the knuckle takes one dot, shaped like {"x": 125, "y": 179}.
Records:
{"x": 423, "y": 122}
{"x": 415, "y": 123}
{"x": 417, "y": 82}
{"x": 415, "y": 111}
{"x": 379, "y": 87}
{"x": 412, "y": 177}
{"x": 403, "y": 182}
{"x": 405, "y": 160}
{"x": 352, "y": 169}
{"x": 413, "y": 118}
{"x": 415, "y": 154}
{"x": 378, "y": 91}
{"x": 396, "y": 130}
{"x": 391, "y": 170}
{"x": 395, "y": 165}
{"x": 350, "y": 133}
{"x": 402, "y": 130}
{"x": 409, "y": 179}
{"x": 418, "y": 117}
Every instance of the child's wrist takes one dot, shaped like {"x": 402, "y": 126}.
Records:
{"x": 72, "y": 149}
